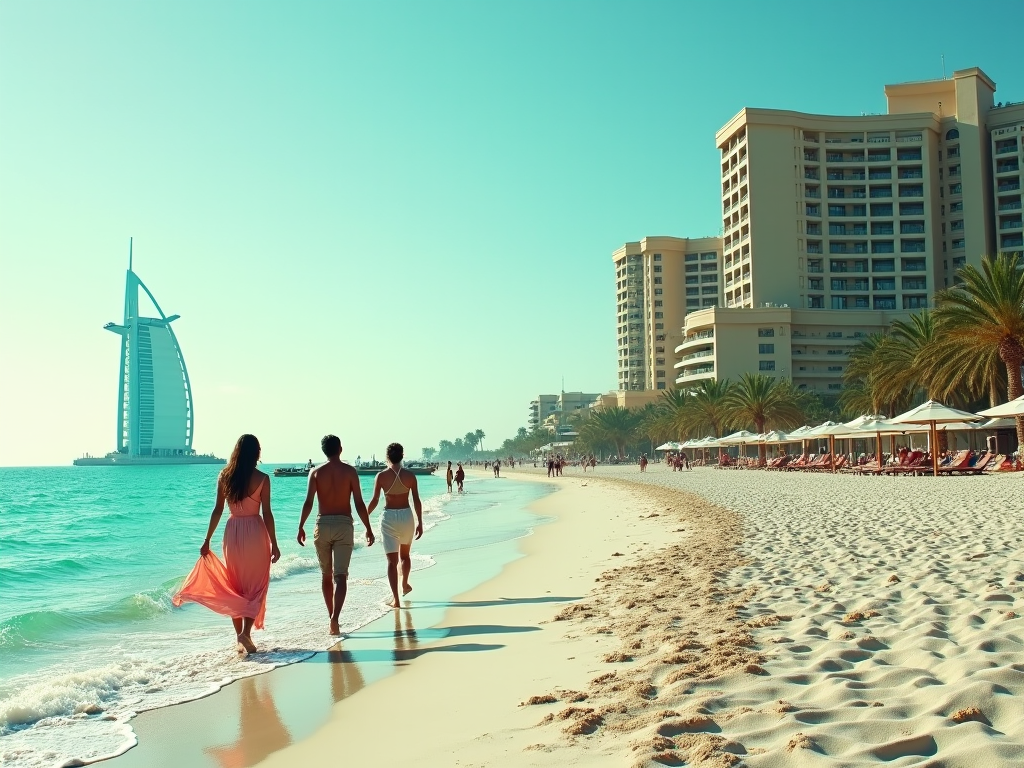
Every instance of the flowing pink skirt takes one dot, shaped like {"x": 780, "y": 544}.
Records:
{"x": 238, "y": 586}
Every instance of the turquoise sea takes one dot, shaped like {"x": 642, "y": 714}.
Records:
{"x": 89, "y": 557}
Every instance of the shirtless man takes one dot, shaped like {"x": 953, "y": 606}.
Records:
{"x": 397, "y": 526}
{"x": 334, "y": 484}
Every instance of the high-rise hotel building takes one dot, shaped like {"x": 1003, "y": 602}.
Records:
{"x": 864, "y": 217}
{"x": 658, "y": 280}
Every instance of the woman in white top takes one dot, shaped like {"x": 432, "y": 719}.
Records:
{"x": 397, "y": 526}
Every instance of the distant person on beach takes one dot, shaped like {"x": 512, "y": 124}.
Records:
{"x": 643, "y": 462}
{"x": 335, "y": 486}
{"x": 449, "y": 477}
{"x": 460, "y": 476}
{"x": 497, "y": 468}
{"x": 238, "y": 586}
{"x": 397, "y": 526}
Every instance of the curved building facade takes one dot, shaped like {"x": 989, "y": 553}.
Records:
{"x": 155, "y": 417}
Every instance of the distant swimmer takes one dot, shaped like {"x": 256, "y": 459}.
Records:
{"x": 449, "y": 477}
{"x": 335, "y": 486}
{"x": 238, "y": 586}
{"x": 397, "y": 526}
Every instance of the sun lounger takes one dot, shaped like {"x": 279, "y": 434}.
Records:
{"x": 974, "y": 466}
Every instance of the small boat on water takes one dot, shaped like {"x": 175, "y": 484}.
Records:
{"x": 364, "y": 468}
{"x": 416, "y": 467}
{"x": 291, "y": 472}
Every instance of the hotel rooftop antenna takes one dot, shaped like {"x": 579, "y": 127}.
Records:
{"x": 943, "y": 57}
{"x": 129, "y": 254}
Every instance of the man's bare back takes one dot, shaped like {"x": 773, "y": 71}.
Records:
{"x": 335, "y": 483}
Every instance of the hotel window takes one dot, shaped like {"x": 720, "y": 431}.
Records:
{"x": 661, "y": 385}
{"x": 955, "y": 189}
{"x": 657, "y": 281}
{"x": 659, "y": 303}
{"x": 661, "y": 326}
{"x": 657, "y": 257}
{"x": 690, "y": 268}
{"x": 816, "y": 302}
{"x": 657, "y": 268}
{"x": 766, "y": 332}
{"x": 659, "y": 315}
{"x": 657, "y": 291}
{"x": 661, "y": 374}
{"x": 766, "y": 365}
{"x": 766, "y": 349}
{"x": 691, "y": 257}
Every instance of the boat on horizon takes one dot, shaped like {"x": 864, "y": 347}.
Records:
{"x": 155, "y": 416}
{"x": 362, "y": 468}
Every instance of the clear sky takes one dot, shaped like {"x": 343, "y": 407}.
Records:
{"x": 392, "y": 221}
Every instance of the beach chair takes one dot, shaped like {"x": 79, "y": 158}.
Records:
{"x": 974, "y": 466}
{"x": 996, "y": 464}
{"x": 909, "y": 463}
{"x": 796, "y": 463}
{"x": 959, "y": 461}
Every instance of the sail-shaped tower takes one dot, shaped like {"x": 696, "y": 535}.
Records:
{"x": 155, "y": 417}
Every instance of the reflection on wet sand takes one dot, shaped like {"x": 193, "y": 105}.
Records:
{"x": 406, "y": 641}
{"x": 260, "y": 729}
{"x": 346, "y": 679}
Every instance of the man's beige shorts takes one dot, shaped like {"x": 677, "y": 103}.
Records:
{"x": 333, "y": 538}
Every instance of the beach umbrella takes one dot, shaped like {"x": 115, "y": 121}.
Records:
{"x": 1012, "y": 408}
{"x": 832, "y": 430}
{"x": 882, "y": 426}
{"x": 740, "y": 438}
{"x": 669, "y": 446}
{"x": 932, "y": 413}
{"x": 1007, "y": 423}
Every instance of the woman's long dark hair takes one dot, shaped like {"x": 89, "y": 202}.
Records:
{"x": 236, "y": 475}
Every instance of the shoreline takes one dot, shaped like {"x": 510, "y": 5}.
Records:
{"x": 277, "y": 696}
{"x": 482, "y": 696}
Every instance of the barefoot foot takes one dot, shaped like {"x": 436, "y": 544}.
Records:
{"x": 393, "y": 603}
{"x": 246, "y": 642}
{"x": 406, "y": 589}
{"x": 335, "y": 629}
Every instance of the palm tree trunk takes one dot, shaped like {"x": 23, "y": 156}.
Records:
{"x": 1012, "y": 358}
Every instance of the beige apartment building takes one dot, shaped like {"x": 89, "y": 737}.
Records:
{"x": 865, "y": 212}
{"x": 835, "y": 226}
{"x": 811, "y": 347}
{"x": 658, "y": 280}
{"x": 1006, "y": 130}
{"x": 551, "y": 409}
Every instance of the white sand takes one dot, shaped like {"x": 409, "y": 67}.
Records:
{"x": 762, "y": 628}
{"x": 943, "y": 638}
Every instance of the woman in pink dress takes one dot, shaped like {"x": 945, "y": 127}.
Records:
{"x": 238, "y": 586}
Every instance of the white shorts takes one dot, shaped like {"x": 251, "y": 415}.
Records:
{"x": 397, "y": 527}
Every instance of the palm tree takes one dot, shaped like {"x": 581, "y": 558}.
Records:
{"x": 707, "y": 409}
{"x": 470, "y": 441}
{"x": 611, "y": 426}
{"x": 880, "y": 377}
{"x": 985, "y": 313}
{"x": 760, "y": 401}
{"x": 479, "y": 435}
{"x": 672, "y": 408}
{"x": 428, "y": 453}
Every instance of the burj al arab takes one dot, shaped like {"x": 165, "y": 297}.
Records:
{"x": 155, "y": 414}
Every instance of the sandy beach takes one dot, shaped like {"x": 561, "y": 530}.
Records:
{"x": 711, "y": 618}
